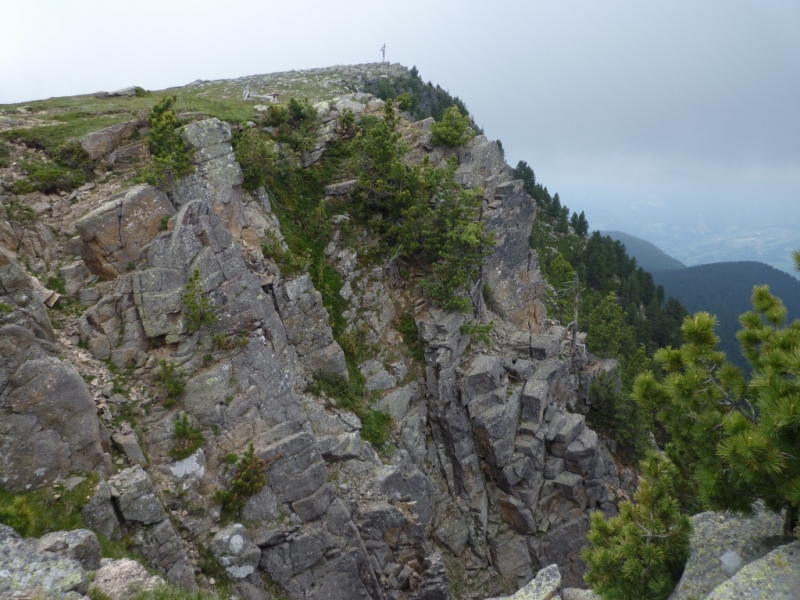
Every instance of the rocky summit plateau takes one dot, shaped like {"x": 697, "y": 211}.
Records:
{"x": 171, "y": 378}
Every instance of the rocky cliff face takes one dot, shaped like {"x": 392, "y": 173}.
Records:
{"x": 489, "y": 473}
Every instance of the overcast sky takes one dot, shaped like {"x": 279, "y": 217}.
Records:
{"x": 676, "y": 121}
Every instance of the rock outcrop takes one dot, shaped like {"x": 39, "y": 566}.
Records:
{"x": 489, "y": 472}
{"x": 775, "y": 576}
{"x": 721, "y": 545}
{"x": 48, "y": 422}
{"x": 31, "y": 569}
{"x": 113, "y": 235}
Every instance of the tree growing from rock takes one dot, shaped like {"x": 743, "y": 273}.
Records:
{"x": 170, "y": 158}
{"x": 454, "y": 129}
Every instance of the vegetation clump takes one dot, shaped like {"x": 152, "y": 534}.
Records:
{"x": 641, "y": 552}
{"x": 229, "y": 342}
{"x": 247, "y": 480}
{"x": 453, "y": 130}
{"x": 19, "y": 213}
{"x": 423, "y": 99}
{"x": 169, "y": 154}
{"x": 187, "y": 438}
{"x": 349, "y": 395}
{"x": 198, "y": 308}
{"x": 171, "y": 380}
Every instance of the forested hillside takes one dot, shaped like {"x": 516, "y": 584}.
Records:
{"x": 649, "y": 256}
{"x": 724, "y": 290}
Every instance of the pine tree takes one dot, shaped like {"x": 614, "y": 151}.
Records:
{"x": 453, "y": 130}
{"x": 734, "y": 440}
{"x": 640, "y": 553}
{"x": 170, "y": 157}
{"x": 607, "y": 334}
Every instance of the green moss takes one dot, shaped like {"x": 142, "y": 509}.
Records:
{"x": 375, "y": 427}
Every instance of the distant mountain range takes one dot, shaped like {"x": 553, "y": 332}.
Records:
{"x": 722, "y": 289}
{"x": 649, "y": 257}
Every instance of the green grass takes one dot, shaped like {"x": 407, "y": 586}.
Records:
{"x": 407, "y": 326}
{"x": 349, "y": 395}
{"x": 33, "y": 514}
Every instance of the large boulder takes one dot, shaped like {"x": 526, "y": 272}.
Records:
{"x": 775, "y": 576}
{"x": 101, "y": 143}
{"x": 482, "y": 164}
{"x": 48, "y": 425}
{"x": 721, "y": 544}
{"x": 543, "y": 587}
{"x": 154, "y": 536}
{"x": 113, "y": 234}
{"x": 124, "y": 579}
{"x": 28, "y": 571}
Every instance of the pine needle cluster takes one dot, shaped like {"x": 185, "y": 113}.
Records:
{"x": 640, "y": 553}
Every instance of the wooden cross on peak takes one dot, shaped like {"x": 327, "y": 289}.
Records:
{"x": 383, "y": 51}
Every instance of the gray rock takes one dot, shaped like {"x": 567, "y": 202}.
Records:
{"x": 453, "y": 533}
{"x": 510, "y": 556}
{"x": 341, "y": 188}
{"x": 775, "y": 576}
{"x": 128, "y": 444}
{"x": 434, "y": 585}
{"x": 131, "y": 154}
{"x": 100, "y": 143}
{"x": 218, "y": 178}
{"x": 316, "y": 504}
{"x": 79, "y": 544}
{"x": 136, "y": 496}
{"x": 543, "y": 587}
{"x": 124, "y": 579}
{"x": 191, "y": 468}
{"x": 395, "y": 404}
{"x": 113, "y": 235}
{"x": 721, "y": 544}
{"x": 553, "y": 467}
{"x": 380, "y": 381}
{"x": 99, "y": 513}
{"x": 578, "y": 594}
{"x": 27, "y": 572}
{"x": 262, "y": 506}
{"x": 74, "y": 275}
{"x": 544, "y": 346}
{"x": 570, "y": 485}
{"x": 307, "y": 326}
{"x": 235, "y": 551}
{"x": 512, "y": 270}
{"x": 48, "y": 424}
